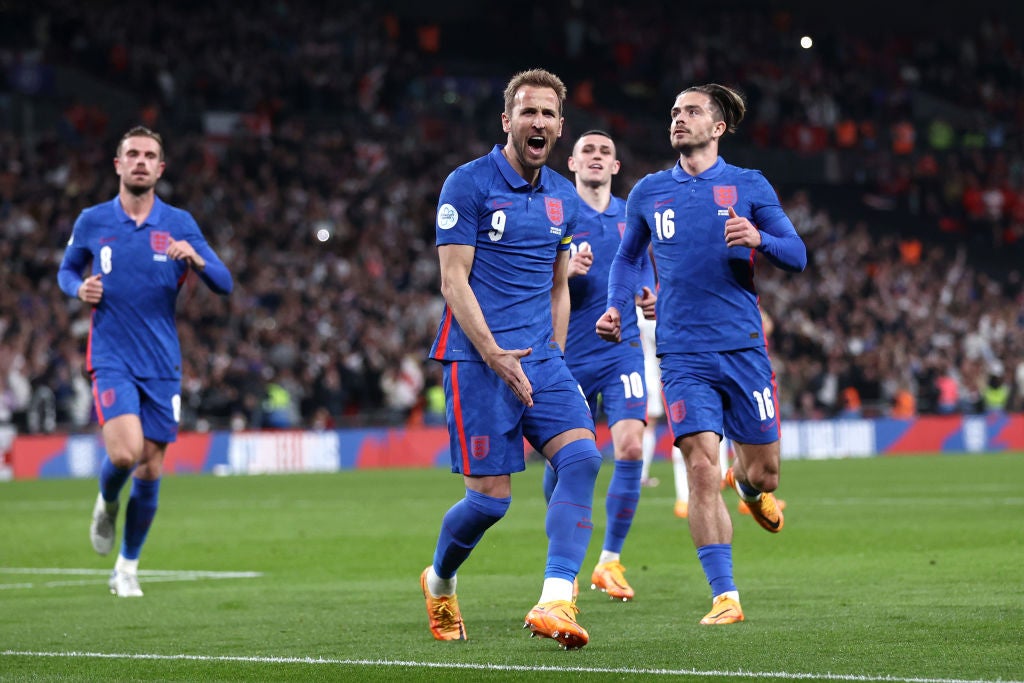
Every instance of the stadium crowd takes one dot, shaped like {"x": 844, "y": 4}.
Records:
{"x": 320, "y": 192}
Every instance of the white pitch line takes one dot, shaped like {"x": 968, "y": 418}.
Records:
{"x": 779, "y": 675}
{"x": 151, "y": 576}
{"x": 142, "y": 572}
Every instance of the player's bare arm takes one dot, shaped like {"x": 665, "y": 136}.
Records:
{"x": 180, "y": 249}
{"x": 456, "y": 261}
{"x": 560, "y": 299}
{"x": 740, "y": 232}
{"x": 609, "y": 325}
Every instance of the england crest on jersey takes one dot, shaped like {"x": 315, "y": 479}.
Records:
{"x": 553, "y": 206}
{"x": 725, "y": 195}
{"x": 159, "y": 240}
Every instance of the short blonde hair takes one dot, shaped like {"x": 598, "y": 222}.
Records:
{"x": 539, "y": 78}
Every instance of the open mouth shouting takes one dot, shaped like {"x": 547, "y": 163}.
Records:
{"x": 536, "y": 144}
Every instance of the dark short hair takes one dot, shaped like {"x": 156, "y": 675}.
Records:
{"x": 728, "y": 103}
{"x": 141, "y": 132}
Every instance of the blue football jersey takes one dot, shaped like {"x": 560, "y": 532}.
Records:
{"x": 517, "y": 230}
{"x": 601, "y": 233}
{"x": 706, "y": 298}
{"x": 133, "y": 327}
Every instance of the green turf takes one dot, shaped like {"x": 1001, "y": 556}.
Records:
{"x": 909, "y": 568}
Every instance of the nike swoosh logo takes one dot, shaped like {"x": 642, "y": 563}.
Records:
{"x": 774, "y": 525}
{"x": 658, "y": 203}
{"x": 500, "y": 205}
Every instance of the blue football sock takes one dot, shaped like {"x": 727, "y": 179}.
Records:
{"x": 550, "y": 479}
{"x": 462, "y": 528}
{"x": 716, "y": 559}
{"x": 568, "y": 522}
{"x": 139, "y": 516}
{"x": 621, "y": 502}
{"x": 112, "y": 479}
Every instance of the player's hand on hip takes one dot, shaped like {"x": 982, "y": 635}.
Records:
{"x": 181, "y": 249}
{"x": 506, "y": 364}
{"x": 609, "y": 325}
{"x": 580, "y": 262}
{"x": 646, "y": 302}
{"x": 91, "y": 289}
{"x": 740, "y": 232}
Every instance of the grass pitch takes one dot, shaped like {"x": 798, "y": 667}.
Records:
{"x": 894, "y": 569}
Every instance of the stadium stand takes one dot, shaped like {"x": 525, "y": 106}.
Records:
{"x": 896, "y": 146}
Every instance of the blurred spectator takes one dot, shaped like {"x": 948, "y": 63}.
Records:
{"x": 320, "y": 192}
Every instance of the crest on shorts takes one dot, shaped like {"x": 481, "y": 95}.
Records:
{"x": 677, "y": 411}
{"x": 725, "y": 195}
{"x": 553, "y": 206}
{"x": 159, "y": 240}
{"x": 107, "y": 397}
{"x": 479, "y": 446}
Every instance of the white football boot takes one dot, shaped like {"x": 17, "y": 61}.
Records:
{"x": 104, "y": 525}
{"x": 125, "y": 584}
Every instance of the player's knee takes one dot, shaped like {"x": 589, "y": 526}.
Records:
{"x": 633, "y": 450}
{"x": 763, "y": 476}
{"x": 581, "y": 454}
{"x": 122, "y": 457}
{"x": 488, "y": 505}
{"x": 593, "y": 462}
{"x": 705, "y": 470}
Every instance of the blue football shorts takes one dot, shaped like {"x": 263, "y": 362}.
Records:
{"x": 621, "y": 384}
{"x": 157, "y": 402}
{"x": 487, "y": 423}
{"x": 726, "y": 392}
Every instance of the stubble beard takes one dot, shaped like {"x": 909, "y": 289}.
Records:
{"x": 138, "y": 189}
{"x": 692, "y": 147}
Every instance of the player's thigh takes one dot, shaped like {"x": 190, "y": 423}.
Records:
{"x": 749, "y": 384}
{"x": 160, "y": 409}
{"x": 484, "y": 421}
{"x": 115, "y": 393}
{"x": 123, "y": 440}
{"x": 117, "y": 399}
{"x": 694, "y": 403}
{"x": 558, "y": 403}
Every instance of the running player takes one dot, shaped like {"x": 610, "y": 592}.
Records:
{"x": 611, "y": 375}
{"x": 707, "y": 220}
{"x": 141, "y": 250}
